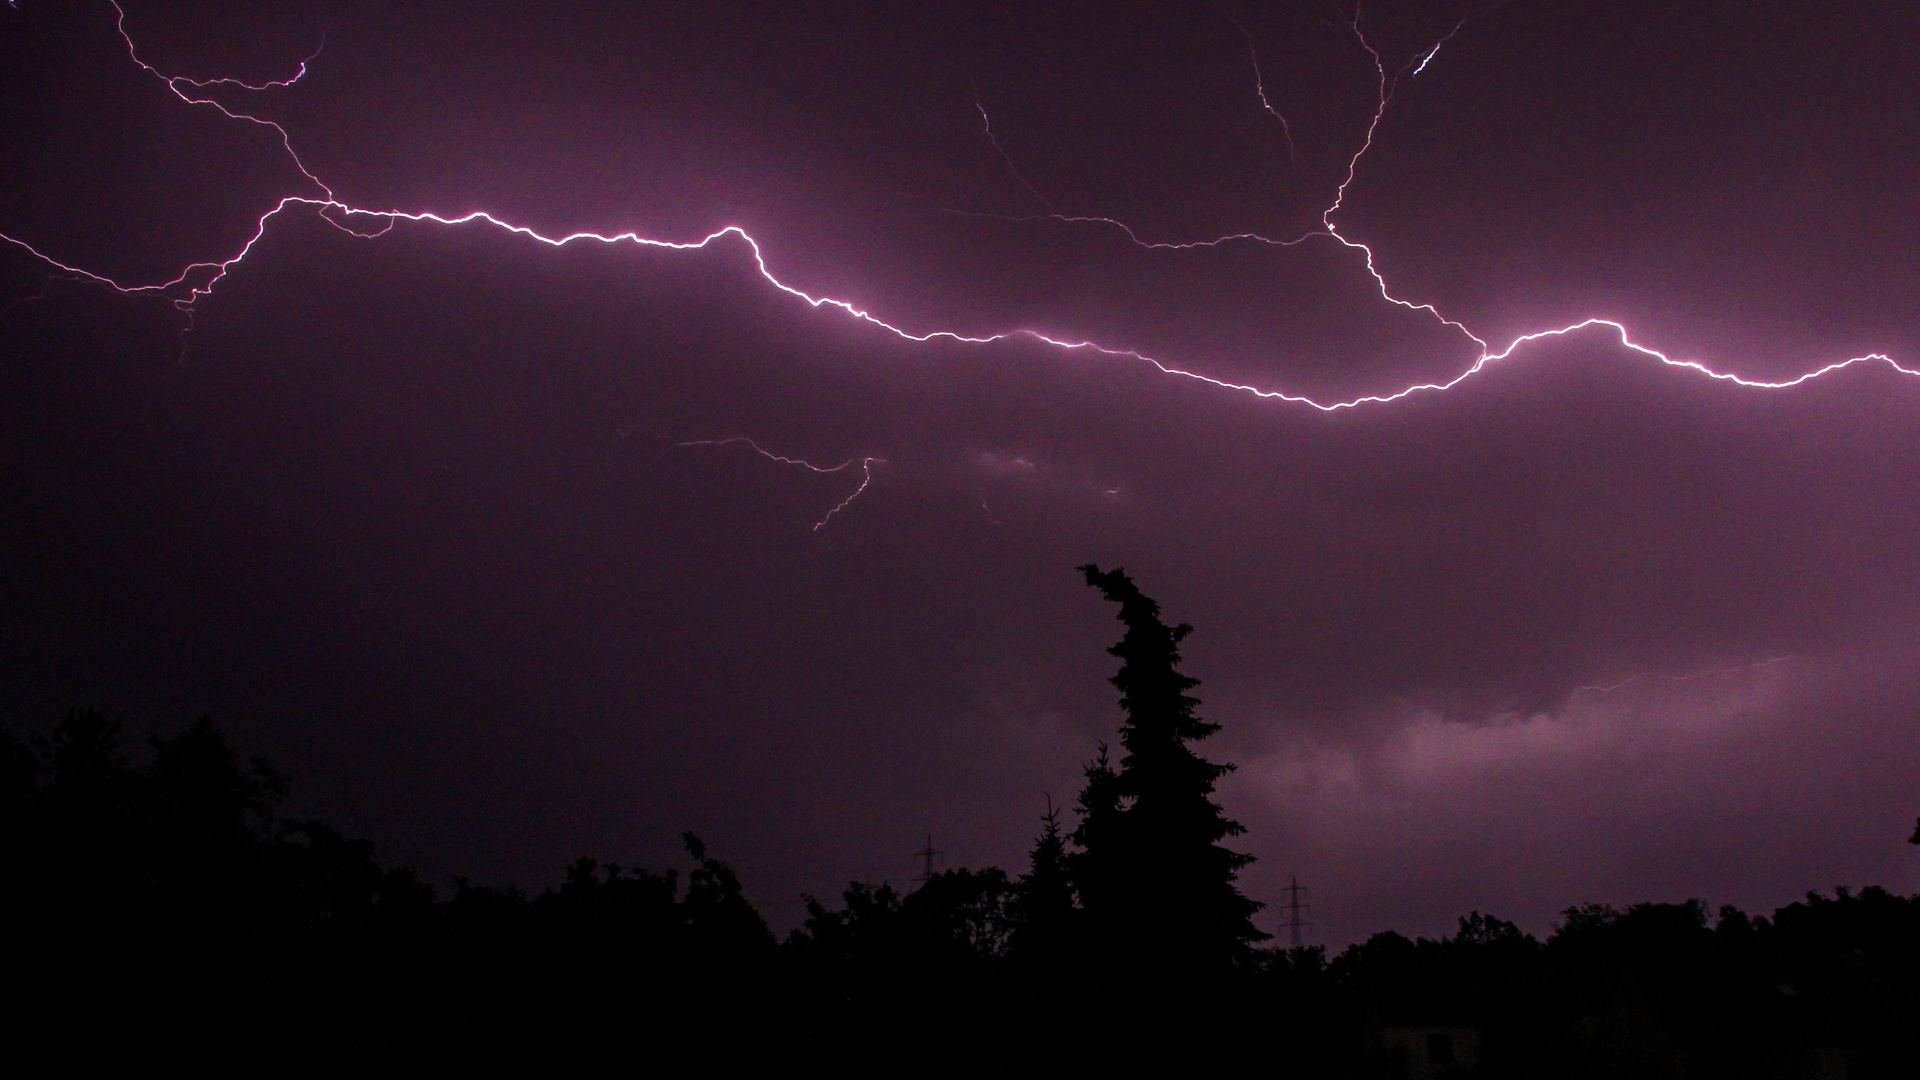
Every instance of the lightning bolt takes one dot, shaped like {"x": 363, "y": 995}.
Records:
{"x": 1386, "y": 85}
{"x": 986, "y": 124}
{"x": 1260, "y": 87}
{"x": 866, "y": 467}
{"x": 866, "y": 477}
{"x": 988, "y": 510}
{"x": 197, "y": 281}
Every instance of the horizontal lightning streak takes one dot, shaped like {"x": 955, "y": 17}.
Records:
{"x": 866, "y": 467}
{"x": 763, "y": 452}
{"x": 197, "y": 280}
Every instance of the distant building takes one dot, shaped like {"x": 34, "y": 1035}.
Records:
{"x": 1430, "y": 1052}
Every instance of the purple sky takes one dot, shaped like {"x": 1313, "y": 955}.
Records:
{"x": 407, "y": 515}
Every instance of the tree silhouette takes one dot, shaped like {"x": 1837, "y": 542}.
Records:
{"x": 1100, "y": 837}
{"x": 162, "y": 912}
{"x": 1042, "y": 911}
{"x": 1154, "y": 878}
{"x": 723, "y": 927}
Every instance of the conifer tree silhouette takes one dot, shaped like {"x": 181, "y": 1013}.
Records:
{"x": 1042, "y": 908}
{"x": 1153, "y": 877}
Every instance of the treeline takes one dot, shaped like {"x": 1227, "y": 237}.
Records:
{"x": 165, "y": 910}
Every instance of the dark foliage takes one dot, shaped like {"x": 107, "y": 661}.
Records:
{"x": 1827, "y": 987}
{"x": 1043, "y": 935}
{"x": 163, "y": 912}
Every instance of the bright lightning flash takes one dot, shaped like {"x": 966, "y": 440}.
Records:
{"x": 197, "y": 280}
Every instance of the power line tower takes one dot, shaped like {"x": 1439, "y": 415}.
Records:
{"x": 1295, "y": 909}
{"x": 926, "y": 855}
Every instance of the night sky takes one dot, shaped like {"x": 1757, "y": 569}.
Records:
{"x": 412, "y": 515}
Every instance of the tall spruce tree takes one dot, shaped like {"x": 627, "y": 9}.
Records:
{"x": 1153, "y": 878}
